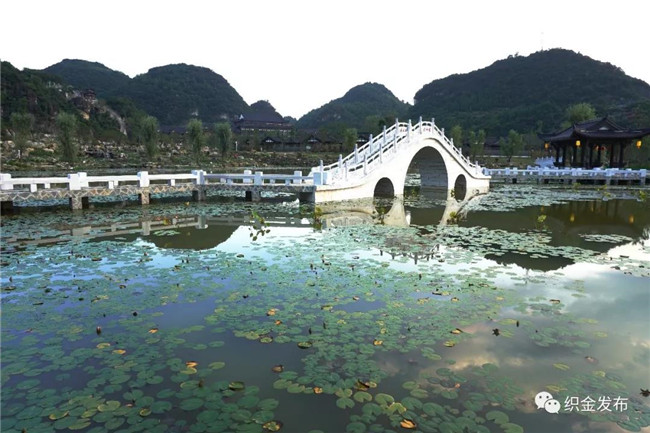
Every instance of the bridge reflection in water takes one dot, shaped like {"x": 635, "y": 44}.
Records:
{"x": 566, "y": 224}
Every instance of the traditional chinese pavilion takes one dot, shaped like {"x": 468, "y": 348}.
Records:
{"x": 592, "y": 144}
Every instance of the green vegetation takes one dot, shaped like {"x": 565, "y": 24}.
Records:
{"x": 223, "y": 137}
{"x": 195, "y": 138}
{"x": 538, "y": 93}
{"x": 22, "y": 124}
{"x": 82, "y": 75}
{"x": 349, "y": 139}
{"x": 476, "y": 144}
{"x": 67, "y": 130}
{"x": 579, "y": 113}
{"x": 532, "y": 94}
{"x": 33, "y": 92}
{"x": 456, "y": 134}
{"x": 175, "y": 93}
{"x": 364, "y": 107}
{"x": 150, "y": 136}
{"x": 512, "y": 145}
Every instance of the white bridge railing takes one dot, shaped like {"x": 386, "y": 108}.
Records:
{"x": 596, "y": 173}
{"x": 79, "y": 181}
{"x": 381, "y": 149}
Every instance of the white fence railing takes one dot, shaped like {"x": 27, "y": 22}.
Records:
{"x": 78, "y": 181}
{"x": 382, "y": 149}
{"x": 613, "y": 173}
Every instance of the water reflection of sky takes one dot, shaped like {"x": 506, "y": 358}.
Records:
{"x": 616, "y": 304}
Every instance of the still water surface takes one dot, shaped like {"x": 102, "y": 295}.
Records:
{"x": 425, "y": 315}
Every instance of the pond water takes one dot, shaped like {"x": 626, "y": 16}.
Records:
{"x": 525, "y": 309}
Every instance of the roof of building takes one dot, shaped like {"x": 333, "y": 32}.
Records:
{"x": 603, "y": 128}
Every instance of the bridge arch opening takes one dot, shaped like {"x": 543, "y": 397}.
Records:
{"x": 460, "y": 187}
{"x": 428, "y": 162}
{"x": 384, "y": 188}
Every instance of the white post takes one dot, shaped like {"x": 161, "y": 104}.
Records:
{"x": 381, "y": 152}
{"x": 5, "y": 177}
{"x": 345, "y": 171}
{"x": 73, "y": 182}
{"x": 33, "y": 187}
{"x": 384, "y": 133}
{"x": 143, "y": 178}
{"x": 365, "y": 163}
{"x": 408, "y": 132}
{"x": 340, "y": 161}
{"x": 356, "y": 154}
{"x": 247, "y": 173}
{"x": 297, "y": 176}
{"x": 370, "y": 143}
{"x": 83, "y": 181}
{"x": 258, "y": 178}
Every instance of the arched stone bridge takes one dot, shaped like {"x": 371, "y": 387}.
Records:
{"x": 379, "y": 167}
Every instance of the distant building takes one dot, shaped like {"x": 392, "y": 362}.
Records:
{"x": 262, "y": 122}
{"x": 592, "y": 143}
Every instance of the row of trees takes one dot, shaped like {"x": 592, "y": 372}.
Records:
{"x": 144, "y": 130}
{"x": 220, "y": 137}
{"x": 146, "y": 134}
{"x": 515, "y": 143}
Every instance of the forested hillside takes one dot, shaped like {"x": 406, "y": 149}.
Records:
{"x": 35, "y": 92}
{"x": 83, "y": 75}
{"x": 362, "y": 107}
{"x": 532, "y": 93}
{"x": 176, "y": 93}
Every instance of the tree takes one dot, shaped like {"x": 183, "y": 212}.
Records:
{"x": 476, "y": 144}
{"x": 349, "y": 139}
{"x": 512, "y": 145}
{"x": 67, "y": 130}
{"x": 22, "y": 124}
{"x": 374, "y": 124}
{"x": 150, "y": 136}
{"x": 579, "y": 113}
{"x": 456, "y": 134}
{"x": 195, "y": 137}
{"x": 223, "y": 135}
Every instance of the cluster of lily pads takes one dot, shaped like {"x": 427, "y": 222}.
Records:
{"x": 125, "y": 336}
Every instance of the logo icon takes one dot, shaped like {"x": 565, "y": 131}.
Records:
{"x": 544, "y": 400}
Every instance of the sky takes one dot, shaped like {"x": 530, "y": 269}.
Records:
{"x": 299, "y": 55}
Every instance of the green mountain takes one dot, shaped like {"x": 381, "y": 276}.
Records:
{"x": 35, "y": 92}
{"x": 532, "y": 93}
{"x": 363, "y": 107}
{"x": 265, "y": 109}
{"x": 44, "y": 96}
{"x": 83, "y": 75}
{"x": 176, "y": 93}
